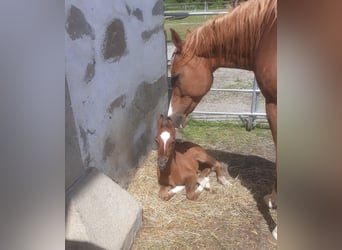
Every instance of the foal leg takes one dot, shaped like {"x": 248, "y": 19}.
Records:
{"x": 214, "y": 165}
{"x": 192, "y": 188}
{"x": 165, "y": 194}
{"x": 203, "y": 179}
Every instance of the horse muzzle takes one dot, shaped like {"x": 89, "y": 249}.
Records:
{"x": 179, "y": 121}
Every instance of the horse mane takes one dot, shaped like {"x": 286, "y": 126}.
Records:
{"x": 238, "y": 31}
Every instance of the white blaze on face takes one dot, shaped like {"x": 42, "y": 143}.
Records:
{"x": 170, "y": 111}
{"x": 165, "y": 136}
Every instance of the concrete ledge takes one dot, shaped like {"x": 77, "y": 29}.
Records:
{"x": 100, "y": 214}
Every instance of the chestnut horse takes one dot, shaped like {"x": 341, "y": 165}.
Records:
{"x": 179, "y": 162}
{"x": 245, "y": 38}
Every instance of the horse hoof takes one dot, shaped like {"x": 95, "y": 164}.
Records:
{"x": 271, "y": 200}
{"x": 275, "y": 232}
{"x": 272, "y": 237}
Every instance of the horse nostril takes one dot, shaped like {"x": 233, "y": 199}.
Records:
{"x": 179, "y": 121}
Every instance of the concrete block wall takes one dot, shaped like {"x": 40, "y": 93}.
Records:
{"x": 116, "y": 82}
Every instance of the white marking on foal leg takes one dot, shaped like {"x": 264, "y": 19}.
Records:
{"x": 275, "y": 233}
{"x": 165, "y": 136}
{"x": 177, "y": 189}
{"x": 199, "y": 188}
{"x": 207, "y": 186}
{"x": 204, "y": 183}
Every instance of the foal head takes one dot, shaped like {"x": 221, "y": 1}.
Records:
{"x": 165, "y": 139}
{"x": 191, "y": 78}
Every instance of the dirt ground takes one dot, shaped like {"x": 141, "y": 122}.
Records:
{"x": 226, "y": 217}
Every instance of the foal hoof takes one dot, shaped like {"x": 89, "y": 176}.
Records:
{"x": 271, "y": 200}
{"x": 203, "y": 184}
{"x": 207, "y": 186}
{"x": 224, "y": 181}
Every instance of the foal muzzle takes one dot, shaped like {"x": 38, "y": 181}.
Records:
{"x": 162, "y": 162}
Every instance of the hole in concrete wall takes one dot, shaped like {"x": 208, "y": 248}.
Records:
{"x": 158, "y": 8}
{"x": 118, "y": 102}
{"x": 114, "y": 45}
{"x": 108, "y": 148}
{"x": 77, "y": 25}
{"x": 138, "y": 14}
{"x": 90, "y": 71}
{"x": 146, "y": 35}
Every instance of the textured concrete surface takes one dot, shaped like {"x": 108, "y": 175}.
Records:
{"x": 100, "y": 214}
{"x": 116, "y": 75}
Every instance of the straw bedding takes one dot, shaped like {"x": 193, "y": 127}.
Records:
{"x": 226, "y": 217}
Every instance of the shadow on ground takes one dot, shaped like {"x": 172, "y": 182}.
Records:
{"x": 257, "y": 174}
{"x": 81, "y": 245}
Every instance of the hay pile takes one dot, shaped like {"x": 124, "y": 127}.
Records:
{"x": 226, "y": 217}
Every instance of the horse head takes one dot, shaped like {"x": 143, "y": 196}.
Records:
{"x": 191, "y": 79}
{"x": 165, "y": 139}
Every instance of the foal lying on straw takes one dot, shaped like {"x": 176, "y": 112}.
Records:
{"x": 179, "y": 163}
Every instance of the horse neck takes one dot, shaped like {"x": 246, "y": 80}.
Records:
{"x": 219, "y": 62}
{"x": 231, "y": 40}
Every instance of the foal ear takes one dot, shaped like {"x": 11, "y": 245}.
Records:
{"x": 169, "y": 122}
{"x": 160, "y": 121}
{"x": 177, "y": 41}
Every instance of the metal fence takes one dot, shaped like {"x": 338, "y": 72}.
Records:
{"x": 197, "y": 6}
{"x": 250, "y": 119}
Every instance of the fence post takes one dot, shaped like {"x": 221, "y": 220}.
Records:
{"x": 254, "y": 106}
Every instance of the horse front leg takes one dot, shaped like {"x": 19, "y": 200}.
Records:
{"x": 271, "y": 111}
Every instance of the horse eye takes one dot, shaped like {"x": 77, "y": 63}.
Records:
{"x": 174, "y": 79}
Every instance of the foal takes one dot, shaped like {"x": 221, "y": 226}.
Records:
{"x": 179, "y": 162}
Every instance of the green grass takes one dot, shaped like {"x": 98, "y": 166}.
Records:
{"x": 181, "y": 25}
{"x": 221, "y": 132}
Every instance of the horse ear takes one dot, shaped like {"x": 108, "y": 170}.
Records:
{"x": 187, "y": 34}
{"x": 177, "y": 41}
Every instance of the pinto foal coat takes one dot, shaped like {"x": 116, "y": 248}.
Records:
{"x": 180, "y": 162}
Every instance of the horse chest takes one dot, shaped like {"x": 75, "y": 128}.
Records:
{"x": 184, "y": 168}
{"x": 179, "y": 171}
